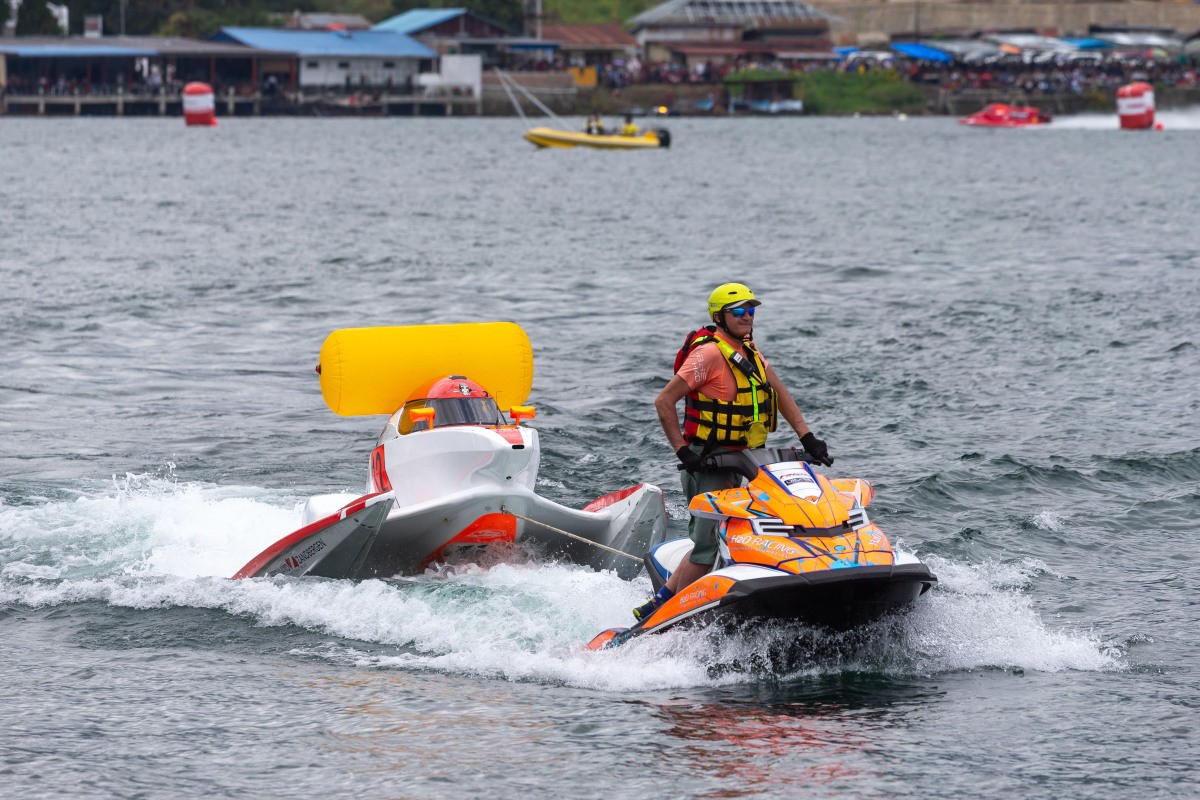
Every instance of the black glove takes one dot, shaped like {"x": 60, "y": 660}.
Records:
{"x": 816, "y": 448}
{"x": 691, "y": 460}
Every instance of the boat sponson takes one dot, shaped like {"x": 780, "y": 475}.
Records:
{"x": 412, "y": 535}
{"x": 329, "y": 548}
{"x": 840, "y": 599}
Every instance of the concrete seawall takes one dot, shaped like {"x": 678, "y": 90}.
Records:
{"x": 561, "y": 99}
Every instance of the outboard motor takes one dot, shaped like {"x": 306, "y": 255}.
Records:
{"x": 664, "y": 137}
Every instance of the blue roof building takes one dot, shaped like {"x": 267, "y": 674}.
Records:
{"x": 343, "y": 58}
{"x": 362, "y": 44}
{"x": 444, "y": 23}
{"x": 116, "y": 64}
{"x": 458, "y": 31}
{"x": 65, "y": 48}
{"x": 420, "y": 20}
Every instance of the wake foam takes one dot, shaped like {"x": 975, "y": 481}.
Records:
{"x": 149, "y": 543}
{"x": 1187, "y": 119}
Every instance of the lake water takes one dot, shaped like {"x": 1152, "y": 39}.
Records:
{"x": 997, "y": 328}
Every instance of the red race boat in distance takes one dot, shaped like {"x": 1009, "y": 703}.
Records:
{"x": 1000, "y": 115}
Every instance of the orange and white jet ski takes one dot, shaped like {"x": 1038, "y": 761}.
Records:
{"x": 450, "y": 472}
{"x": 793, "y": 544}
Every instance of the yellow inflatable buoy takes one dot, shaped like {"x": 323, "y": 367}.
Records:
{"x": 375, "y": 370}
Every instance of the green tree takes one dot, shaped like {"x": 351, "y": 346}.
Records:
{"x": 3, "y": 13}
{"x": 194, "y": 18}
{"x": 35, "y": 19}
{"x": 593, "y": 12}
{"x": 199, "y": 23}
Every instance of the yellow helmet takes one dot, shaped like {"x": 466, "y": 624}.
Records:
{"x": 730, "y": 294}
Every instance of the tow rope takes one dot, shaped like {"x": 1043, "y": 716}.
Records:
{"x": 577, "y": 538}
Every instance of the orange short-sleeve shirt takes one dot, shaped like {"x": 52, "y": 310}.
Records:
{"x": 705, "y": 370}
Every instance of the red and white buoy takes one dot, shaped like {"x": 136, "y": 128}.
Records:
{"x": 199, "y": 108}
{"x": 1135, "y": 106}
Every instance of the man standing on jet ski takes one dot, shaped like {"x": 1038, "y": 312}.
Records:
{"x": 732, "y": 400}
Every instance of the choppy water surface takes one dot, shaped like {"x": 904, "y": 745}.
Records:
{"x": 998, "y": 328}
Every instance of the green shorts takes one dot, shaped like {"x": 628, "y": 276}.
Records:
{"x": 703, "y": 531}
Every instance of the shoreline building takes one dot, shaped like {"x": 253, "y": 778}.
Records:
{"x": 330, "y": 59}
{"x": 693, "y": 32}
{"x": 457, "y": 31}
{"x": 592, "y": 44}
{"x": 58, "y": 66}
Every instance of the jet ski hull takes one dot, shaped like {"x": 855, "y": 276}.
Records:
{"x": 839, "y": 600}
{"x": 793, "y": 544}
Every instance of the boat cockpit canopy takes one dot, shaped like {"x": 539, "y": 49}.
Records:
{"x": 450, "y": 411}
{"x": 447, "y": 411}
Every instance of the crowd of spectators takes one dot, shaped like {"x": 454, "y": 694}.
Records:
{"x": 1059, "y": 75}
{"x": 1046, "y": 73}
{"x": 150, "y": 82}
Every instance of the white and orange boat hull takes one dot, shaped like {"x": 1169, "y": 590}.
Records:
{"x": 434, "y": 493}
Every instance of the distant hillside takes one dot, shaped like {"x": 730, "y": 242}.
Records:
{"x": 202, "y": 18}
{"x": 593, "y": 11}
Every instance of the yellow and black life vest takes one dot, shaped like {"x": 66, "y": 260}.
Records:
{"x": 720, "y": 423}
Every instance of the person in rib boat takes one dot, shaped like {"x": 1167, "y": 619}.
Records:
{"x": 732, "y": 400}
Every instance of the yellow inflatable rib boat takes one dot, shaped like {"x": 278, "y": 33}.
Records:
{"x": 550, "y": 137}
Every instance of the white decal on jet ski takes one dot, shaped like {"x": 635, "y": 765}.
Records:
{"x": 762, "y": 542}
{"x": 797, "y": 480}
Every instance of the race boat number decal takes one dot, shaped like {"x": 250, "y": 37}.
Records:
{"x": 379, "y": 474}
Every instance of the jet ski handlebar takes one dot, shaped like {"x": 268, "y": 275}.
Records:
{"x": 748, "y": 462}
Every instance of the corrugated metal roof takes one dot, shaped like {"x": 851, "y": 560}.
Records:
{"x": 418, "y": 19}
{"x": 371, "y": 44}
{"x": 745, "y": 13}
{"x": 22, "y": 50}
{"x": 602, "y": 36}
{"x": 175, "y": 45}
{"x": 1028, "y": 41}
{"x": 1139, "y": 39}
{"x": 120, "y": 46}
{"x": 792, "y": 49}
{"x": 316, "y": 21}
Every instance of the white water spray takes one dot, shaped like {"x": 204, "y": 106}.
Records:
{"x": 156, "y": 543}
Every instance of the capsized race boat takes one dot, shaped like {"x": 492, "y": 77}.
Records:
{"x": 793, "y": 544}
{"x": 450, "y": 472}
{"x": 551, "y": 137}
{"x": 999, "y": 115}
